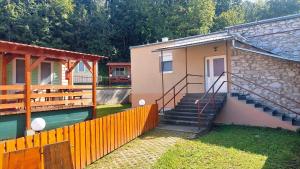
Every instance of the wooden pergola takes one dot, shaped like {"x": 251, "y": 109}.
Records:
{"x": 10, "y": 50}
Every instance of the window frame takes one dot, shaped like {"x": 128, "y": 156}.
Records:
{"x": 167, "y": 57}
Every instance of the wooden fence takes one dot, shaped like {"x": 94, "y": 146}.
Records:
{"x": 92, "y": 139}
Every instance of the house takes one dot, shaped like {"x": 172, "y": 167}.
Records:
{"x": 119, "y": 73}
{"x": 37, "y": 82}
{"x": 81, "y": 74}
{"x": 248, "y": 74}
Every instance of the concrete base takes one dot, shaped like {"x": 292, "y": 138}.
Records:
{"x": 29, "y": 132}
{"x": 185, "y": 129}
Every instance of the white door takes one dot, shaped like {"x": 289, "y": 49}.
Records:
{"x": 214, "y": 67}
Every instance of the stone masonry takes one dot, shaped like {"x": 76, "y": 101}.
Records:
{"x": 279, "y": 75}
{"x": 280, "y": 36}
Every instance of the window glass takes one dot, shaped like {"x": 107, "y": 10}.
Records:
{"x": 167, "y": 66}
{"x": 119, "y": 71}
{"x": 207, "y": 68}
{"x": 46, "y": 73}
{"x": 80, "y": 67}
{"x": 218, "y": 66}
{"x": 167, "y": 63}
{"x": 20, "y": 69}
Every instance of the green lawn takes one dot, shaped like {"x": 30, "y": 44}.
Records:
{"x": 103, "y": 110}
{"x": 236, "y": 147}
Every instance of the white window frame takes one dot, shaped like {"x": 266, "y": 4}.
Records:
{"x": 40, "y": 70}
{"x": 14, "y": 72}
{"x": 167, "y": 56}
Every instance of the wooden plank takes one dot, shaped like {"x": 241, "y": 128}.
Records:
{"x": 101, "y": 137}
{"x": 29, "y": 141}
{"x": 93, "y": 140}
{"x": 118, "y": 126}
{"x": 108, "y": 131}
{"x": 11, "y": 87}
{"x": 66, "y": 133}
{"x": 105, "y": 135}
{"x": 37, "y": 62}
{"x": 97, "y": 135}
{"x": 44, "y": 141}
{"x": 10, "y": 145}
{"x": 39, "y": 95}
{"x": 59, "y": 135}
{"x": 88, "y": 66}
{"x": 20, "y": 143}
{"x": 12, "y": 105}
{"x": 88, "y": 142}
{"x": 94, "y": 89}
{"x": 5, "y": 161}
{"x": 61, "y": 102}
{"x": 58, "y": 156}
{"x": 56, "y": 87}
{"x": 51, "y": 137}
{"x": 112, "y": 132}
{"x": 11, "y": 96}
{"x": 32, "y": 158}
{"x": 2, "y": 148}
{"x": 15, "y": 160}
{"x": 82, "y": 145}
{"x": 36, "y": 140}
{"x": 72, "y": 143}
{"x": 77, "y": 147}
{"x": 28, "y": 91}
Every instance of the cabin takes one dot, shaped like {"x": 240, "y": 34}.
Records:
{"x": 119, "y": 73}
{"x": 81, "y": 74}
{"x": 37, "y": 82}
{"x": 247, "y": 74}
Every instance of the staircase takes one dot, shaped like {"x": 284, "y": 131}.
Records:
{"x": 186, "y": 112}
{"x": 287, "y": 116}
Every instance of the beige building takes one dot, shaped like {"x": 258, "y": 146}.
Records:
{"x": 261, "y": 61}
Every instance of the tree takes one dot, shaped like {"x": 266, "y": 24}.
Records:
{"x": 231, "y": 17}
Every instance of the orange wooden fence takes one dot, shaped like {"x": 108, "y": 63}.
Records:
{"x": 92, "y": 139}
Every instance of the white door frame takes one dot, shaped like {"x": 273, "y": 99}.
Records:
{"x": 211, "y": 79}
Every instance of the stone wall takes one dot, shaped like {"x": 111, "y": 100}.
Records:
{"x": 279, "y": 75}
{"x": 280, "y": 36}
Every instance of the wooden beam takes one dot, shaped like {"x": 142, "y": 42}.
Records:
{"x": 94, "y": 89}
{"x": 28, "y": 91}
{"x": 4, "y": 74}
{"x": 88, "y": 66}
{"x": 37, "y": 62}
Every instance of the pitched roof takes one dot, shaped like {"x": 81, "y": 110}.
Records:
{"x": 19, "y": 48}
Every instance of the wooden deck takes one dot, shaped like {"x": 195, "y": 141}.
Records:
{"x": 44, "y": 98}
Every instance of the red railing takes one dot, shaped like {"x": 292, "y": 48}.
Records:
{"x": 173, "y": 90}
{"x": 214, "y": 92}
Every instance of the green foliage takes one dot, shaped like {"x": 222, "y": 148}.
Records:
{"x": 231, "y": 17}
{"x": 110, "y": 27}
{"x": 236, "y": 147}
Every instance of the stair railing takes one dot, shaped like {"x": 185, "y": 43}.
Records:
{"x": 175, "y": 93}
{"x": 214, "y": 92}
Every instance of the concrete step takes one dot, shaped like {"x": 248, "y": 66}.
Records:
{"x": 185, "y": 118}
{"x": 179, "y": 122}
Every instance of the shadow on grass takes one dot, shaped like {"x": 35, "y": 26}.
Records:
{"x": 282, "y": 148}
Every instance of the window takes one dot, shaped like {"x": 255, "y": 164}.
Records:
{"x": 218, "y": 66}
{"x": 119, "y": 71}
{"x": 80, "y": 67}
{"x": 167, "y": 63}
{"x": 46, "y": 73}
{"x": 20, "y": 69}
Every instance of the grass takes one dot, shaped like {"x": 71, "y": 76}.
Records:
{"x": 103, "y": 110}
{"x": 236, "y": 147}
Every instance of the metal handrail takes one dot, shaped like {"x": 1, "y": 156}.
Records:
{"x": 215, "y": 92}
{"x": 174, "y": 90}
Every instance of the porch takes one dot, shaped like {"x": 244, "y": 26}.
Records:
{"x": 29, "y": 87}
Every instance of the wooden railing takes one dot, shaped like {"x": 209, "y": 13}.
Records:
{"x": 92, "y": 139}
{"x": 44, "y": 95}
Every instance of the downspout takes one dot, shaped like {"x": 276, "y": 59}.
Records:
{"x": 162, "y": 81}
